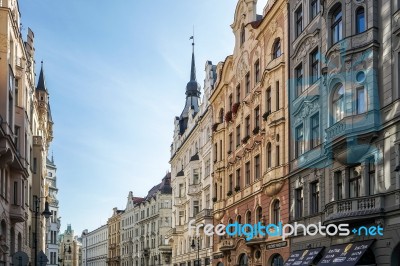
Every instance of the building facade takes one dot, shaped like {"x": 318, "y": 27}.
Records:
{"x": 95, "y": 247}
{"x": 54, "y": 222}
{"x": 25, "y": 135}
{"x": 70, "y": 248}
{"x": 250, "y": 114}
{"x": 344, "y": 132}
{"x": 114, "y": 238}
{"x": 191, "y": 166}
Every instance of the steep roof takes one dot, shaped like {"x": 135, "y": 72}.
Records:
{"x": 41, "y": 86}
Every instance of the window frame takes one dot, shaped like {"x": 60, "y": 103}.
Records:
{"x": 337, "y": 24}
{"x": 315, "y": 132}
{"x": 300, "y": 145}
{"x": 299, "y": 77}
{"x": 360, "y": 21}
{"x": 299, "y": 20}
{"x": 314, "y": 65}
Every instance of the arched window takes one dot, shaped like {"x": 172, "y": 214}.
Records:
{"x": 338, "y": 103}
{"x": 243, "y": 260}
{"x": 248, "y": 217}
{"x": 269, "y": 155}
{"x": 360, "y": 20}
{"x": 276, "y": 216}
{"x": 221, "y": 115}
{"x": 259, "y": 215}
{"x": 277, "y": 260}
{"x": 337, "y": 24}
{"x": 277, "y": 52}
{"x": 242, "y": 35}
{"x": 239, "y": 219}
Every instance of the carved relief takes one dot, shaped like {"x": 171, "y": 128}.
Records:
{"x": 242, "y": 66}
{"x": 305, "y": 46}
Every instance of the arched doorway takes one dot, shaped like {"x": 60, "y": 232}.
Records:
{"x": 277, "y": 260}
{"x": 243, "y": 260}
{"x": 395, "y": 260}
{"x": 220, "y": 264}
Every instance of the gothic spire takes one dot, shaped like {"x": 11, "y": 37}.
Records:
{"x": 41, "y": 83}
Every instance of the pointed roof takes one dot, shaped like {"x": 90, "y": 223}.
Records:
{"x": 193, "y": 88}
{"x": 41, "y": 83}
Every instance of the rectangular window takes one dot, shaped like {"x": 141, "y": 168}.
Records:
{"x": 339, "y": 185}
{"x": 299, "y": 141}
{"x": 215, "y": 152}
{"x": 314, "y": 197}
{"x": 268, "y": 107}
{"x": 238, "y": 177}
{"x": 247, "y": 81}
{"x": 247, "y": 170}
{"x": 361, "y": 107}
{"x": 314, "y": 8}
{"x": 34, "y": 165}
{"x": 299, "y": 79}
{"x": 238, "y": 94}
{"x": 371, "y": 176}
{"x": 15, "y": 202}
{"x": 247, "y": 120}
{"x": 230, "y": 143}
{"x": 220, "y": 150}
{"x": 315, "y": 131}
{"x": 196, "y": 177}
{"x": 196, "y": 208}
{"x": 16, "y": 137}
{"x": 278, "y": 160}
{"x": 257, "y": 117}
{"x": 16, "y": 93}
{"x": 277, "y": 96}
{"x": 257, "y": 71}
{"x": 230, "y": 182}
{"x": 355, "y": 181}
{"x": 238, "y": 136}
{"x": 181, "y": 218}
{"x": 314, "y": 66}
{"x": 299, "y": 21}
{"x": 299, "y": 202}
{"x": 230, "y": 102}
{"x": 257, "y": 167}
{"x": 181, "y": 191}
{"x": 337, "y": 25}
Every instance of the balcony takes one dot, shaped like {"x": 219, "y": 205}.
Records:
{"x": 17, "y": 214}
{"x": 354, "y": 209}
{"x": 204, "y": 214}
{"x": 226, "y": 245}
{"x": 194, "y": 189}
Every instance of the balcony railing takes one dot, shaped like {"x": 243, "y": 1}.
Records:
{"x": 206, "y": 213}
{"x": 353, "y": 208}
{"x": 226, "y": 244}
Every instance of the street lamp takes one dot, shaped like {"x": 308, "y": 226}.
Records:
{"x": 46, "y": 213}
{"x": 198, "y": 250}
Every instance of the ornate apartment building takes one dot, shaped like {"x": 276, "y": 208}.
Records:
{"x": 95, "y": 247}
{"x": 54, "y": 222}
{"x": 344, "y": 130}
{"x": 191, "y": 166}
{"x": 114, "y": 238}
{"x": 70, "y": 249}
{"x": 25, "y": 135}
{"x": 250, "y": 114}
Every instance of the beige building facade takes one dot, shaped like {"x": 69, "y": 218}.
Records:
{"x": 70, "y": 248}
{"x": 114, "y": 238}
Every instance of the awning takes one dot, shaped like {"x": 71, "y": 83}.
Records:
{"x": 303, "y": 257}
{"x": 345, "y": 254}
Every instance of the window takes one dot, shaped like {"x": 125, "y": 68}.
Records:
{"x": 268, "y": 100}
{"x": 355, "y": 181}
{"x": 257, "y": 71}
{"x": 299, "y": 21}
{"x": 277, "y": 96}
{"x": 299, "y": 202}
{"x": 269, "y": 155}
{"x": 181, "y": 191}
{"x": 215, "y": 153}
{"x": 238, "y": 178}
{"x": 221, "y": 115}
{"x": 277, "y": 49}
{"x": 15, "y": 202}
{"x": 314, "y": 66}
{"x": 230, "y": 102}
{"x": 248, "y": 217}
{"x": 360, "y": 20}
{"x": 315, "y": 132}
{"x": 257, "y": 167}
{"x": 16, "y": 137}
{"x": 237, "y": 136}
{"x": 257, "y": 117}
{"x": 277, "y": 212}
{"x": 242, "y": 35}
{"x": 238, "y": 93}
{"x": 314, "y": 8}
{"x": 16, "y": 93}
{"x": 371, "y": 175}
{"x": 247, "y": 122}
{"x": 259, "y": 215}
{"x": 299, "y": 79}
{"x": 230, "y": 143}
{"x": 277, "y": 260}
{"x": 361, "y": 106}
{"x": 247, "y": 81}
{"x": 338, "y": 103}
{"x": 337, "y": 25}
{"x": 314, "y": 197}
{"x": 299, "y": 150}
{"x": 243, "y": 261}
{"x": 248, "y": 174}
{"x": 196, "y": 207}
{"x": 196, "y": 177}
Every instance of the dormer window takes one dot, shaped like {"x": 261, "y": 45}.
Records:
{"x": 242, "y": 35}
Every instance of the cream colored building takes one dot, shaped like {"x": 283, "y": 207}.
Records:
{"x": 70, "y": 248}
{"x": 25, "y": 135}
{"x": 114, "y": 238}
{"x": 191, "y": 167}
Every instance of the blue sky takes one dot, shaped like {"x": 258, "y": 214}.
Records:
{"x": 116, "y": 72}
